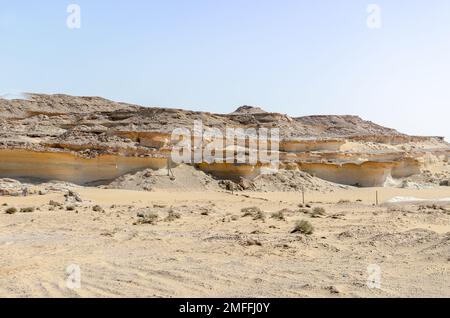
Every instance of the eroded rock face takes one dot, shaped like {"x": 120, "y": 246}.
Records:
{"x": 88, "y": 140}
{"x": 70, "y": 167}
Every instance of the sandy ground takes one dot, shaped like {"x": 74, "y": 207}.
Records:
{"x": 209, "y": 249}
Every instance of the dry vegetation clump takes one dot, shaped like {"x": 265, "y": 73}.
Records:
{"x": 303, "y": 227}
{"x": 278, "y": 216}
{"x": 54, "y": 204}
{"x": 255, "y": 212}
{"x": 253, "y": 242}
{"x": 259, "y": 216}
{"x": 251, "y": 211}
{"x": 11, "y": 210}
{"x": 70, "y": 208}
{"x": 97, "y": 208}
{"x": 147, "y": 218}
{"x": 318, "y": 212}
{"x": 27, "y": 210}
{"x": 173, "y": 216}
{"x": 396, "y": 209}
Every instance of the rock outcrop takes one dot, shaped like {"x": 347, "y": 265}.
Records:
{"x": 91, "y": 140}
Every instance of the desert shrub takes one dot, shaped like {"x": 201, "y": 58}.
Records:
{"x": 70, "y": 208}
{"x": 54, "y": 203}
{"x": 318, "y": 212}
{"x": 173, "y": 216}
{"x": 27, "y": 210}
{"x": 304, "y": 211}
{"x": 97, "y": 208}
{"x": 278, "y": 216}
{"x": 303, "y": 227}
{"x": 250, "y": 211}
{"x": 11, "y": 210}
{"x": 342, "y": 201}
{"x": 253, "y": 242}
{"x": 147, "y": 218}
{"x": 259, "y": 216}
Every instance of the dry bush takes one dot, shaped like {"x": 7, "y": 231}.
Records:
{"x": 147, "y": 218}
{"x": 259, "y": 216}
{"x": 11, "y": 210}
{"x": 54, "y": 203}
{"x": 27, "y": 210}
{"x": 317, "y": 212}
{"x": 173, "y": 216}
{"x": 253, "y": 242}
{"x": 97, "y": 208}
{"x": 303, "y": 227}
{"x": 251, "y": 211}
{"x": 278, "y": 216}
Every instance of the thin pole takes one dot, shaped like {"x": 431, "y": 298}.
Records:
{"x": 303, "y": 195}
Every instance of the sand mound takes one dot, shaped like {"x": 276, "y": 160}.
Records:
{"x": 189, "y": 178}
{"x": 185, "y": 178}
{"x": 248, "y": 110}
{"x": 293, "y": 180}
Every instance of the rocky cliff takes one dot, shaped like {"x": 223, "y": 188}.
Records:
{"x": 91, "y": 139}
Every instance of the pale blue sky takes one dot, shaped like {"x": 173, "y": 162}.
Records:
{"x": 297, "y": 57}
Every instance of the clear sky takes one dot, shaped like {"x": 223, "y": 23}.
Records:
{"x": 299, "y": 57}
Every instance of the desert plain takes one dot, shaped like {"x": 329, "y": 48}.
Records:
{"x": 88, "y": 209}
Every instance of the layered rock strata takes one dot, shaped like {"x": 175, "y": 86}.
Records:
{"x": 90, "y": 140}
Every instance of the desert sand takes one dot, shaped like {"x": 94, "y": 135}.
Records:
{"x": 202, "y": 245}
{"x": 116, "y": 223}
